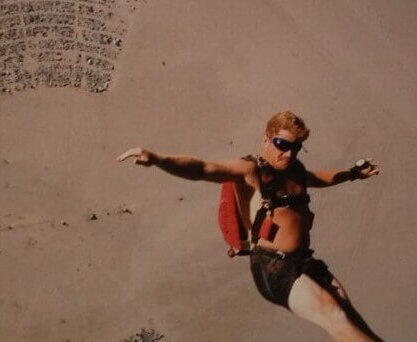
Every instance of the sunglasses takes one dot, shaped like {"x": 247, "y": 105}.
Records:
{"x": 285, "y": 145}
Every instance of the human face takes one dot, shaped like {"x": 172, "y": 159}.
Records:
{"x": 281, "y": 150}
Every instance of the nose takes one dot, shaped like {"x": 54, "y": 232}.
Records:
{"x": 288, "y": 153}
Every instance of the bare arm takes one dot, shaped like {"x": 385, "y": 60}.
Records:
{"x": 192, "y": 168}
{"x": 323, "y": 178}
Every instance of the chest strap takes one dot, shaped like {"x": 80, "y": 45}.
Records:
{"x": 262, "y": 224}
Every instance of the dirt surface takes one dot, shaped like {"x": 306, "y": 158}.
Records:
{"x": 93, "y": 250}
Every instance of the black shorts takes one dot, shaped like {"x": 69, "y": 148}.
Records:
{"x": 275, "y": 275}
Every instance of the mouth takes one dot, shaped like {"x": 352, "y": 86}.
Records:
{"x": 282, "y": 163}
{"x": 285, "y": 161}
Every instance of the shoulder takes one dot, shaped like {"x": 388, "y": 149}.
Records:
{"x": 244, "y": 165}
{"x": 252, "y": 165}
{"x": 233, "y": 170}
{"x": 299, "y": 172}
{"x": 299, "y": 166}
{"x": 243, "y": 170}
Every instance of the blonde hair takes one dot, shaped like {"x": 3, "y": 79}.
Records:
{"x": 289, "y": 121}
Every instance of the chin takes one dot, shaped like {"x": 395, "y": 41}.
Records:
{"x": 283, "y": 165}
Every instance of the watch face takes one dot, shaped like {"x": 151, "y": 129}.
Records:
{"x": 360, "y": 163}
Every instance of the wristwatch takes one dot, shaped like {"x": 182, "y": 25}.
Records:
{"x": 360, "y": 164}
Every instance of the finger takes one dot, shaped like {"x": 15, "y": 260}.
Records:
{"x": 121, "y": 157}
{"x": 124, "y": 156}
{"x": 372, "y": 162}
{"x": 374, "y": 166}
{"x": 374, "y": 172}
{"x": 370, "y": 167}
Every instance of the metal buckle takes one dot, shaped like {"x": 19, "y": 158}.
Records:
{"x": 281, "y": 254}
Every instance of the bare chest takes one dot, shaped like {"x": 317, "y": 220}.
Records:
{"x": 282, "y": 184}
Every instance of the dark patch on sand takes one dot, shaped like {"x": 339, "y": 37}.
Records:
{"x": 144, "y": 336}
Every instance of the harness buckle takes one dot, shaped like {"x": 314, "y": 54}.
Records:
{"x": 282, "y": 255}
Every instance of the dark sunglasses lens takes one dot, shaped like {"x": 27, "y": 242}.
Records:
{"x": 285, "y": 145}
{"x": 297, "y": 146}
{"x": 281, "y": 144}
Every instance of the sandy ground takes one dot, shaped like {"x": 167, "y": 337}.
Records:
{"x": 201, "y": 78}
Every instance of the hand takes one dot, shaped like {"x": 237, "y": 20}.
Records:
{"x": 368, "y": 169}
{"x": 142, "y": 156}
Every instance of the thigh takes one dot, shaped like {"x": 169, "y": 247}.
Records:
{"x": 311, "y": 301}
{"x": 320, "y": 286}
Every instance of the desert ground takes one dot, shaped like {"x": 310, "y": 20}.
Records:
{"x": 92, "y": 250}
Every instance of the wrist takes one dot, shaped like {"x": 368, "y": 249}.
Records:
{"x": 155, "y": 159}
{"x": 147, "y": 158}
{"x": 355, "y": 171}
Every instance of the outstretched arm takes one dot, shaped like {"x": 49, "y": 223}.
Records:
{"x": 362, "y": 170}
{"x": 191, "y": 168}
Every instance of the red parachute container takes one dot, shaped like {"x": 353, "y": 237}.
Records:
{"x": 230, "y": 222}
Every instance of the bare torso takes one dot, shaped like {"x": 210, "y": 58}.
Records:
{"x": 292, "y": 224}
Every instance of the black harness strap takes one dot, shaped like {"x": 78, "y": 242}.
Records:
{"x": 270, "y": 200}
{"x": 291, "y": 201}
{"x": 257, "y": 223}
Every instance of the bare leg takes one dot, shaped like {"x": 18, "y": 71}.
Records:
{"x": 339, "y": 293}
{"x": 312, "y": 302}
